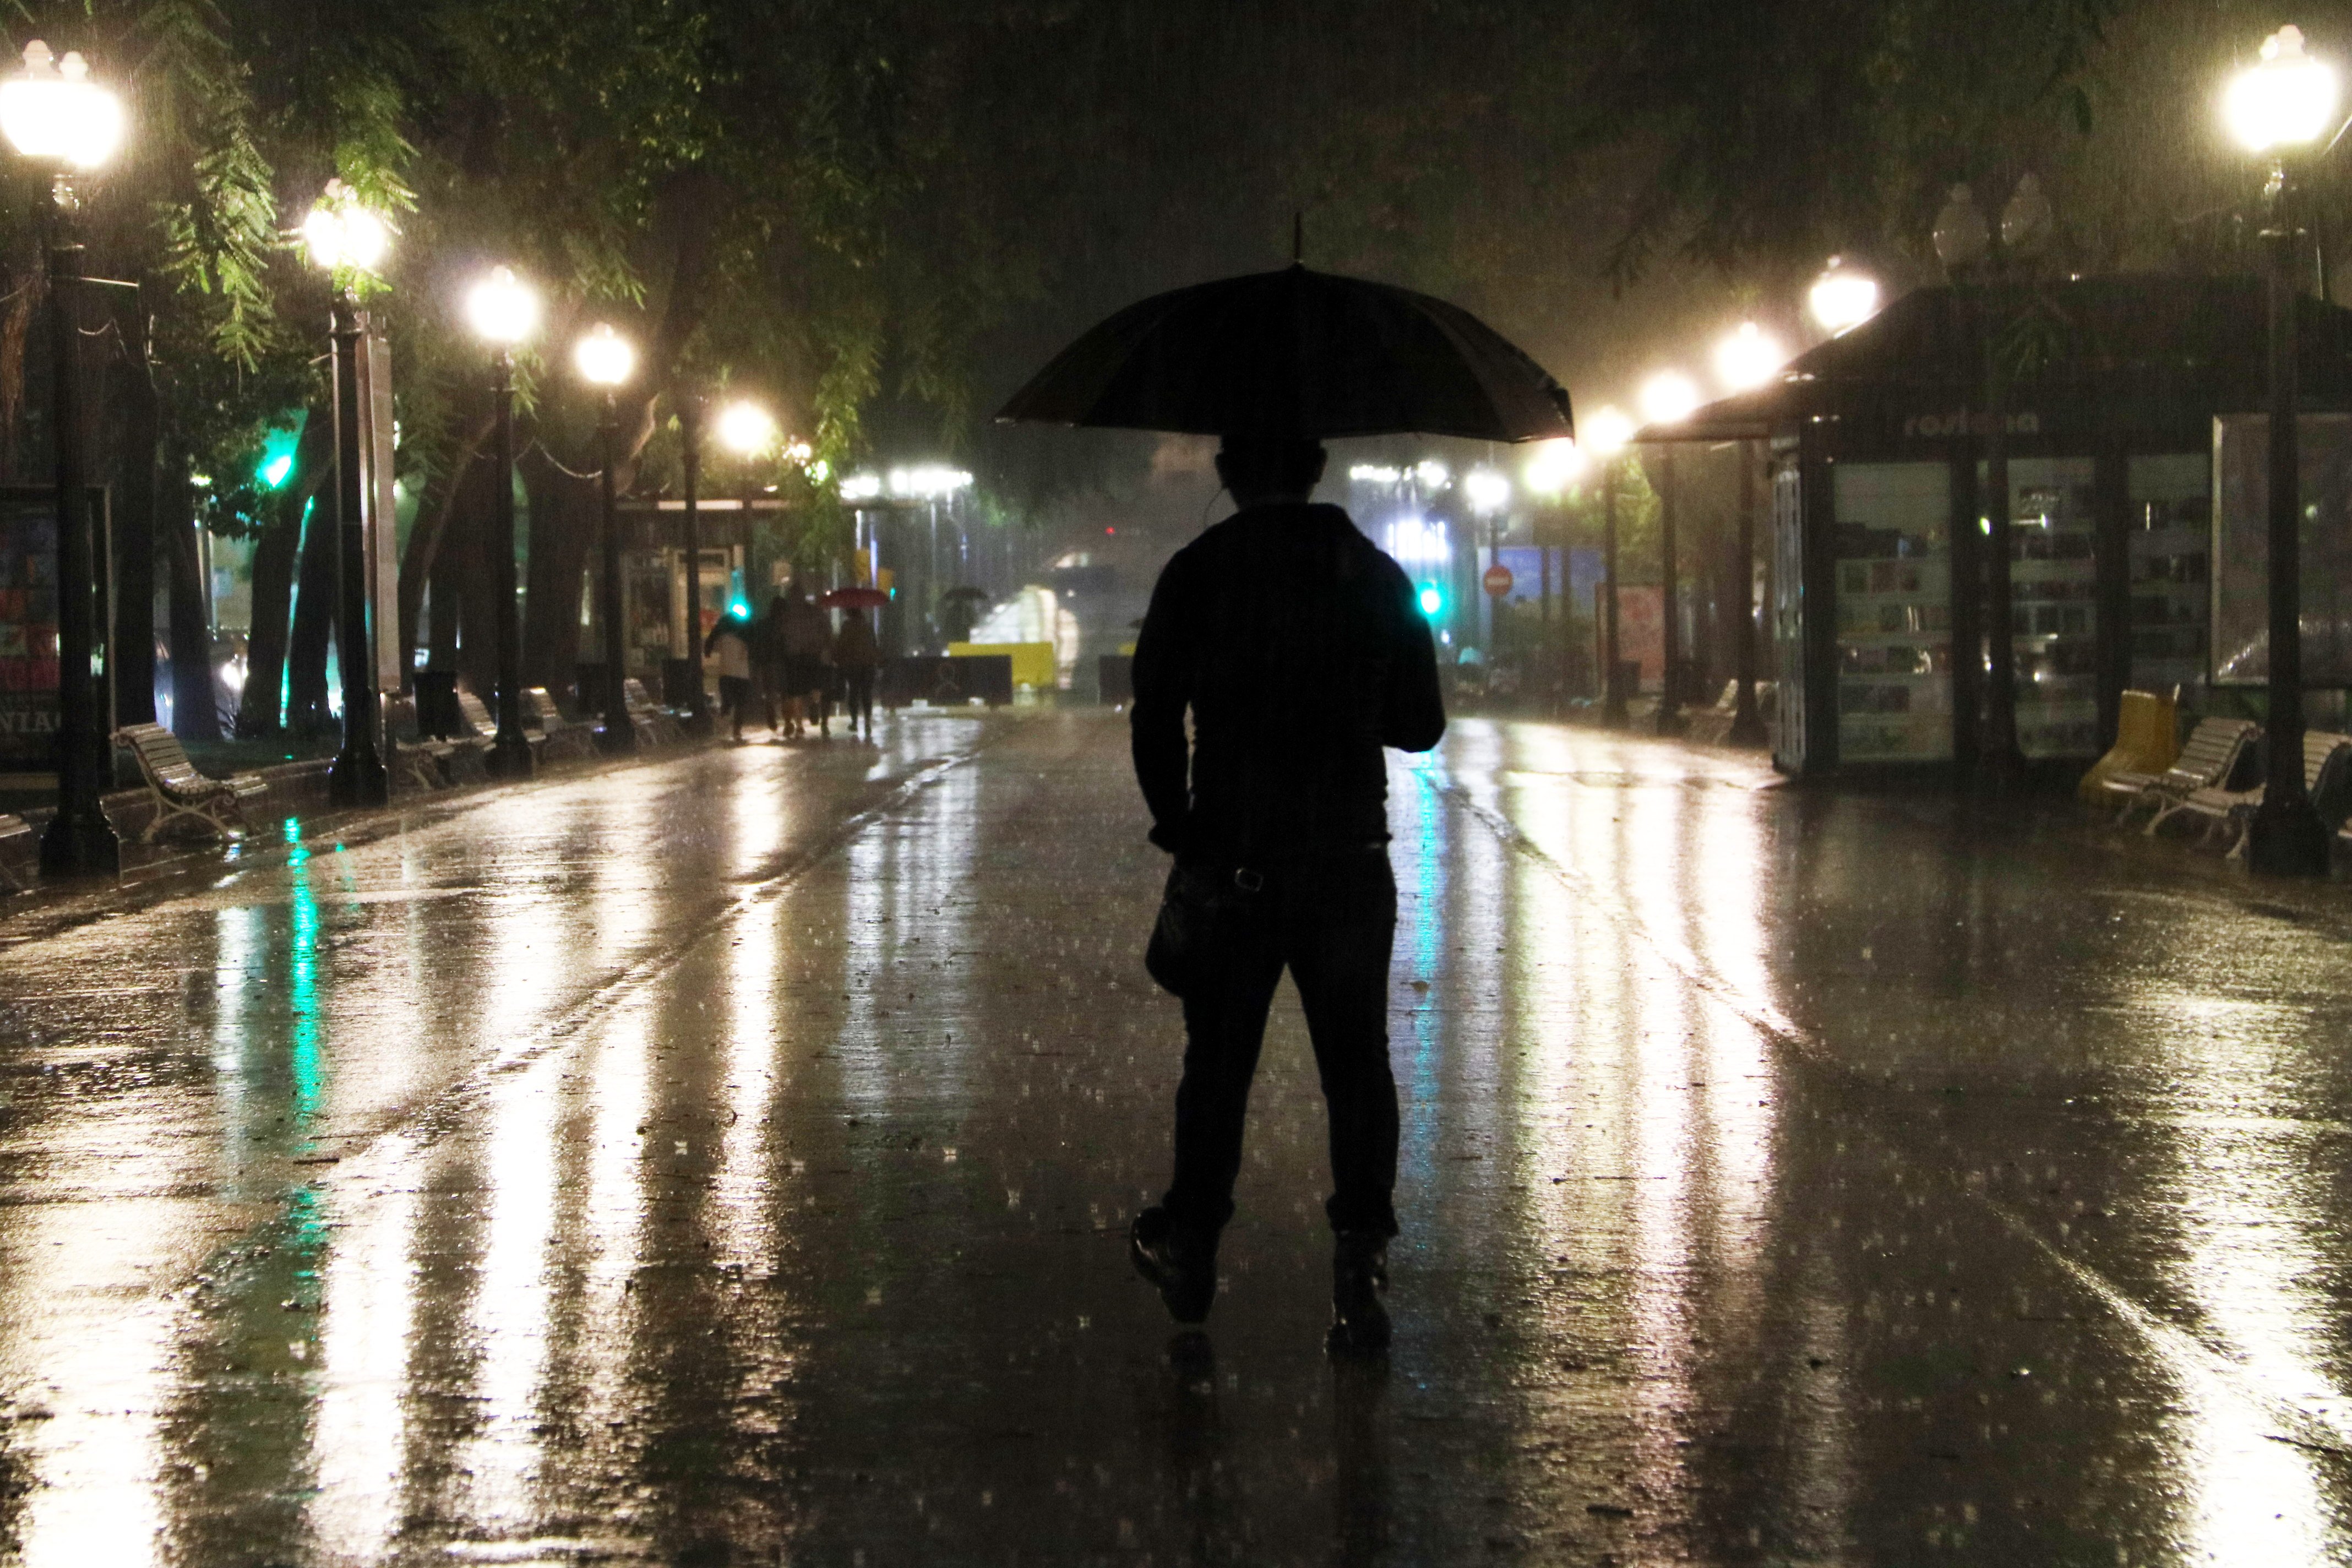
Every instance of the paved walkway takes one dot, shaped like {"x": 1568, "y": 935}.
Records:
{"x": 725, "y": 1160}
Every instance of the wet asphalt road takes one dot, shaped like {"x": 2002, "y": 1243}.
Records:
{"x": 725, "y": 1159}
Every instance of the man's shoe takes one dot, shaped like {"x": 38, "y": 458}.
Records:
{"x": 1182, "y": 1264}
{"x": 1360, "y": 1272}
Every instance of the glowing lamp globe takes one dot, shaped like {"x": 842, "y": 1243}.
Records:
{"x": 1669, "y": 398}
{"x": 1555, "y": 466}
{"x": 2286, "y": 101}
{"x": 342, "y": 234}
{"x": 54, "y": 112}
{"x": 746, "y": 429}
{"x": 1843, "y": 299}
{"x": 604, "y": 357}
{"x": 502, "y": 309}
{"x": 1488, "y": 490}
{"x": 1747, "y": 359}
{"x": 1607, "y": 432}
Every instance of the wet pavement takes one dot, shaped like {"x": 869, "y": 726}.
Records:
{"x": 726, "y": 1158}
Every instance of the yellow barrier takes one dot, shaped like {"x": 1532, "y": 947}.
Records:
{"x": 2148, "y": 739}
{"x": 1033, "y": 662}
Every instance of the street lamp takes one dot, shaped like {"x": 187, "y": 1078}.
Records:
{"x": 1843, "y": 299}
{"x": 1488, "y": 493}
{"x": 1607, "y": 432}
{"x": 348, "y": 241}
{"x": 62, "y": 122}
{"x": 503, "y": 310}
{"x": 2278, "y": 108}
{"x": 1745, "y": 360}
{"x": 1552, "y": 467}
{"x": 1669, "y": 398}
{"x": 605, "y": 359}
{"x": 746, "y": 429}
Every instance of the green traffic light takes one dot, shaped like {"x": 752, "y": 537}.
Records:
{"x": 1432, "y": 601}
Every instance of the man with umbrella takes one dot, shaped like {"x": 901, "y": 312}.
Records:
{"x": 1298, "y": 649}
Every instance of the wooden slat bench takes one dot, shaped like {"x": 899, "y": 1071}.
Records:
{"x": 17, "y": 848}
{"x": 2211, "y": 755}
{"x": 179, "y": 791}
{"x": 2326, "y": 756}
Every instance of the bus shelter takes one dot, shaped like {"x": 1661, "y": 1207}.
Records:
{"x": 2114, "y": 395}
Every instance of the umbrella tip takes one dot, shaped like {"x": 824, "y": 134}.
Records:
{"x": 1297, "y": 237}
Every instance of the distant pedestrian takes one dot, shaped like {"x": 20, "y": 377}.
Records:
{"x": 1296, "y": 644}
{"x": 731, "y": 643}
{"x": 807, "y": 660}
{"x": 768, "y": 660}
{"x": 856, "y": 657}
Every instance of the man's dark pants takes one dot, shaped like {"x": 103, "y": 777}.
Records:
{"x": 1331, "y": 920}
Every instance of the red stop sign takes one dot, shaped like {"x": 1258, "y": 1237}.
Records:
{"x": 1499, "y": 580}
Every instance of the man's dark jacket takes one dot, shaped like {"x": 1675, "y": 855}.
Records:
{"x": 1297, "y": 646}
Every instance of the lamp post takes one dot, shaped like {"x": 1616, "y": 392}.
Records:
{"x": 1970, "y": 250}
{"x": 1608, "y": 431}
{"x": 503, "y": 310}
{"x": 1744, "y": 361}
{"x": 1555, "y": 466}
{"x": 604, "y": 360}
{"x": 65, "y": 123}
{"x": 348, "y": 241}
{"x": 696, "y": 718}
{"x": 2278, "y": 108}
{"x": 1669, "y": 398}
{"x": 1488, "y": 493}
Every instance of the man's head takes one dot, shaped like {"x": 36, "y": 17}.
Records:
{"x": 1259, "y": 471}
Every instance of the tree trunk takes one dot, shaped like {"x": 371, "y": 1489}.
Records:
{"x": 564, "y": 517}
{"x": 477, "y": 600}
{"x": 273, "y": 580}
{"x": 130, "y": 647}
{"x": 315, "y": 596}
{"x": 194, "y": 716}
{"x": 434, "y": 510}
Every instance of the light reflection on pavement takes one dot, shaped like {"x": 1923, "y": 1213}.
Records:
{"x": 726, "y": 1158}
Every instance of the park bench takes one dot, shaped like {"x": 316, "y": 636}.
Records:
{"x": 2214, "y": 749}
{"x": 17, "y": 845}
{"x": 559, "y": 736}
{"x": 653, "y": 723}
{"x": 178, "y": 791}
{"x": 2326, "y": 756}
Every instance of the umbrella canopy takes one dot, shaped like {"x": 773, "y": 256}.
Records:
{"x": 1298, "y": 354}
{"x": 852, "y": 598}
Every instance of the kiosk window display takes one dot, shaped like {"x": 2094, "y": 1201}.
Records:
{"x": 2171, "y": 522}
{"x": 1893, "y": 548}
{"x": 2054, "y": 605}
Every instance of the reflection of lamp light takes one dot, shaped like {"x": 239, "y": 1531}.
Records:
{"x": 1488, "y": 490}
{"x": 341, "y": 233}
{"x": 1843, "y": 299}
{"x": 1961, "y": 237}
{"x": 54, "y": 113}
{"x": 2287, "y": 101}
{"x": 1430, "y": 472}
{"x": 502, "y": 309}
{"x": 1555, "y": 466}
{"x": 1669, "y": 398}
{"x": 604, "y": 357}
{"x": 1747, "y": 359}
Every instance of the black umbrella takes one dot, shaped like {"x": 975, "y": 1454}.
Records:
{"x": 1297, "y": 354}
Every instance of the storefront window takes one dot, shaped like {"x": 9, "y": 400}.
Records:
{"x": 2171, "y": 544}
{"x": 2054, "y": 596}
{"x": 1893, "y": 550}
